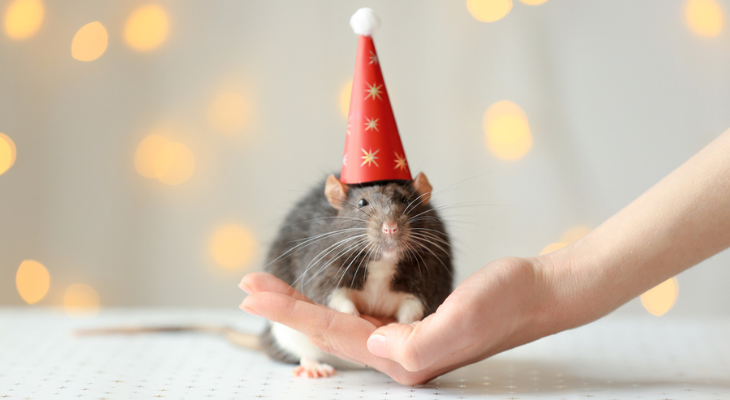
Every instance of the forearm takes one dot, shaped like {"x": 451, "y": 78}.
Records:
{"x": 679, "y": 222}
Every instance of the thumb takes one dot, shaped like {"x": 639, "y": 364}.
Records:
{"x": 415, "y": 347}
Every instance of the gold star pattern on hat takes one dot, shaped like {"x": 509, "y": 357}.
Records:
{"x": 400, "y": 162}
{"x": 374, "y": 91}
{"x": 373, "y": 58}
{"x": 370, "y": 157}
{"x": 372, "y": 124}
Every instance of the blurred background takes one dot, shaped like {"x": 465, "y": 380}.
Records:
{"x": 149, "y": 150}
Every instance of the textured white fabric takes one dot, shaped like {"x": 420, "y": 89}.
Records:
{"x": 614, "y": 358}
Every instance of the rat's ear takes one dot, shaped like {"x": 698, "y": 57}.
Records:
{"x": 335, "y": 191}
{"x": 423, "y": 188}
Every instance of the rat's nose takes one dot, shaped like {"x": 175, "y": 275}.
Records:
{"x": 390, "y": 228}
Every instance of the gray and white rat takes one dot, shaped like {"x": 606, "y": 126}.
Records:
{"x": 378, "y": 249}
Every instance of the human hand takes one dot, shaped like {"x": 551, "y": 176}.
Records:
{"x": 501, "y": 306}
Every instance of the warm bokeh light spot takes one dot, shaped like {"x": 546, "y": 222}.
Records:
{"x": 232, "y": 246}
{"x": 661, "y": 298}
{"x": 704, "y": 17}
{"x": 23, "y": 18}
{"x": 7, "y": 153}
{"x": 32, "y": 281}
{"x": 175, "y": 163}
{"x": 533, "y": 2}
{"x": 552, "y": 247}
{"x": 575, "y": 233}
{"x": 228, "y": 113}
{"x": 90, "y": 42}
{"x": 146, "y": 28}
{"x": 488, "y": 10}
{"x": 81, "y": 300}
{"x": 507, "y": 130}
{"x": 171, "y": 162}
{"x": 145, "y": 158}
{"x": 570, "y": 236}
{"x": 345, "y": 94}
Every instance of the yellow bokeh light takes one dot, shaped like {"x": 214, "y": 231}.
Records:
{"x": 704, "y": 17}
{"x": 32, "y": 281}
{"x": 81, "y": 300}
{"x": 146, "y": 28}
{"x": 228, "y": 113}
{"x": 533, "y": 2}
{"x": 145, "y": 158}
{"x": 552, "y": 247}
{"x": 7, "y": 153}
{"x": 488, "y": 10}
{"x": 345, "y": 94}
{"x": 661, "y": 298}
{"x": 570, "y": 236}
{"x": 89, "y": 42}
{"x": 174, "y": 164}
{"x": 507, "y": 130}
{"x": 232, "y": 246}
{"x": 23, "y": 18}
{"x": 171, "y": 162}
{"x": 574, "y": 233}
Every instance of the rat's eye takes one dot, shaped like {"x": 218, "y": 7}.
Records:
{"x": 362, "y": 203}
{"x": 405, "y": 200}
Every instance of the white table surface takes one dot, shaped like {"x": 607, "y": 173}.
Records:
{"x": 615, "y": 358}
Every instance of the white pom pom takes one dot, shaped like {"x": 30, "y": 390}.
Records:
{"x": 364, "y": 21}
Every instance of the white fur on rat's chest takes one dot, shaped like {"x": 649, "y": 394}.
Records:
{"x": 377, "y": 297}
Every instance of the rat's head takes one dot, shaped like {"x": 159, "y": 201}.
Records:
{"x": 388, "y": 210}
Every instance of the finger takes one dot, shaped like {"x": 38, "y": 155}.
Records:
{"x": 415, "y": 347}
{"x": 343, "y": 333}
{"x": 377, "y": 322}
{"x": 264, "y": 282}
{"x": 314, "y": 320}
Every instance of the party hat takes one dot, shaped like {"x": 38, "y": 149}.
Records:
{"x": 373, "y": 149}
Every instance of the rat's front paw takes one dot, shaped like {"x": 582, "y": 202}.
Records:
{"x": 410, "y": 310}
{"x": 340, "y": 301}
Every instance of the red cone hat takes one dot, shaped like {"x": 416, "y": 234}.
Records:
{"x": 373, "y": 149}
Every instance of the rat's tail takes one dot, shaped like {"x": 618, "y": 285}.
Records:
{"x": 238, "y": 338}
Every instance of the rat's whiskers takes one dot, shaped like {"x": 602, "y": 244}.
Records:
{"x": 322, "y": 254}
{"x": 335, "y": 218}
{"x": 309, "y": 241}
{"x": 345, "y": 269}
{"x": 424, "y": 242}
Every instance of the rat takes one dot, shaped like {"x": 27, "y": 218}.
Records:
{"x": 378, "y": 249}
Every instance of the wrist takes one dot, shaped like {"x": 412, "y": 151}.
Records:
{"x": 540, "y": 309}
{"x": 578, "y": 289}
{"x": 566, "y": 303}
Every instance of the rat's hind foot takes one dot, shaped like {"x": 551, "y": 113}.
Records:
{"x": 312, "y": 369}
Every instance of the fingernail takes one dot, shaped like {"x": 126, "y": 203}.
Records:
{"x": 377, "y": 345}
{"x": 245, "y": 288}
{"x": 248, "y": 310}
